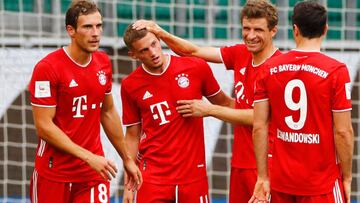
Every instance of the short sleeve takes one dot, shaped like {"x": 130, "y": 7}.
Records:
{"x": 229, "y": 55}
{"x": 210, "y": 86}
{"x": 109, "y": 79}
{"x": 261, "y": 93}
{"x": 43, "y": 85}
{"x": 341, "y": 90}
{"x": 131, "y": 114}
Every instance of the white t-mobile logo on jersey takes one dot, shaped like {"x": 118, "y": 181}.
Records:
{"x": 161, "y": 112}
{"x": 79, "y": 103}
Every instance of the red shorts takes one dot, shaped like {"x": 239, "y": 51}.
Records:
{"x": 43, "y": 190}
{"x": 242, "y": 183}
{"x": 195, "y": 192}
{"x": 336, "y": 196}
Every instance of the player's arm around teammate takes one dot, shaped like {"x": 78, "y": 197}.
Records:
{"x": 344, "y": 144}
{"x": 111, "y": 123}
{"x": 198, "y": 108}
{"x": 132, "y": 139}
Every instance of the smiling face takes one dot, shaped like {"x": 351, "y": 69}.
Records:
{"x": 86, "y": 36}
{"x": 148, "y": 51}
{"x": 256, "y": 34}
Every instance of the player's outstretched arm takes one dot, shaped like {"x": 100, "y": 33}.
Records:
{"x": 344, "y": 143}
{"x": 111, "y": 123}
{"x": 227, "y": 113}
{"x": 260, "y": 139}
{"x": 52, "y": 134}
{"x": 179, "y": 45}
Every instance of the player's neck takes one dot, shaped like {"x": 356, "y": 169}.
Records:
{"x": 158, "y": 70}
{"x": 77, "y": 55}
{"x": 307, "y": 44}
{"x": 260, "y": 57}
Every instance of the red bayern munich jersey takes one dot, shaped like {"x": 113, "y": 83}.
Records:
{"x": 304, "y": 89}
{"x": 171, "y": 148}
{"x": 77, "y": 93}
{"x": 239, "y": 59}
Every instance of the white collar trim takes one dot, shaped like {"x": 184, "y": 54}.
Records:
{"x": 252, "y": 61}
{"x": 158, "y": 74}
{"x": 83, "y": 66}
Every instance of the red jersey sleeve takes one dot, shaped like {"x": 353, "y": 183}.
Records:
{"x": 341, "y": 90}
{"x": 131, "y": 113}
{"x": 43, "y": 85}
{"x": 260, "y": 84}
{"x": 229, "y": 54}
{"x": 210, "y": 86}
{"x": 109, "y": 76}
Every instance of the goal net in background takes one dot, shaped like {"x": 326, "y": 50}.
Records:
{"x": 30, "y": 29}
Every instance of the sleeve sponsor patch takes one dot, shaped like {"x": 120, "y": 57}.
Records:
{"x": 348, "y": 90}
{"x": 42, "y": 89}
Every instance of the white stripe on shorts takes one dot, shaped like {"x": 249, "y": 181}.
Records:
{"x": 34, "y": 187}
{"x": 337, "y": 193}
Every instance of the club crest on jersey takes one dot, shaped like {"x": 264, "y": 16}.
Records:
{"x": 102, "y": 77}
{"x": 183, "y": 80}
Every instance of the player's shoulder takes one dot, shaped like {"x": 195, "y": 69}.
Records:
{"x": 51, "y": 60}
{"x": 187, "y": 59}
{"x": 329, "y": 60}
{"x": 101, "y": 56}
{"x": 54, "y": 56}
{"x": 132, "y": 77}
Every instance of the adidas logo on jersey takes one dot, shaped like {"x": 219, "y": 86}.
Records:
{"x": 242, "y": 71}
{"x": 147, "y": 95}
{"x": 73, "y": 83}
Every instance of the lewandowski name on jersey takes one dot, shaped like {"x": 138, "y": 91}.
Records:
{"x": 296, "y": 67}
{"x": 294, "y": 137}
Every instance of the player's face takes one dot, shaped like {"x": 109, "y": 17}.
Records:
{"x": 256, "y": 34}
{"x": 148, "y": 51}
{"x": 88, "y": 32}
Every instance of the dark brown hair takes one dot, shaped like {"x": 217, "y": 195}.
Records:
{"x": 131, "y": 35}
{"x": 77, "y": 8}
{"x": 311, "y": 18}
{"x": 261, "y": 9}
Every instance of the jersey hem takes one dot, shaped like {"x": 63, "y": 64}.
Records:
{"x": 211, "y": 95}
{"x": 261, "y": 100}
{"x": 342, "y": 110}
{"x": 174, "y": 182}
{"x": 130, "y": 124}
{"x": 40, "y": 105}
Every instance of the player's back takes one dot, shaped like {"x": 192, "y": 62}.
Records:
{"x": 304, "y": 89}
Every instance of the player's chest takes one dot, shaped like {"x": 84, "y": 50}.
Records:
{"x": 244, "y": 81}
{"x": 167, "y": 90}
{"x": 90, "y": 82}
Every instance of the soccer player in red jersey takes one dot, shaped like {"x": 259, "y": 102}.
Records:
{"x": 168, "y": 147}
{"x": 71, "y": 95}
{"x": 259, "y": 25}
{"x": 306, "y": 96}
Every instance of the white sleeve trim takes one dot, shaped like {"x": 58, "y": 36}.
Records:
{"x": 131, "y": 124}
{"x": 222, "y": 60}
{"x": 107, "y": 93}
{"x": 214, "y": 93}
{"x": 341, "y": 110}
{"x": 39, "y": 105}
{"x": 261, "y": 100}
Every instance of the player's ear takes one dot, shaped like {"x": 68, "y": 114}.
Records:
{"x": 70, "y": 30}
{"x": 296, "y": 30}
{"x": 274, "y": 31}
{"x": 132, "y": 55}
{"x": 326, "y": 29}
